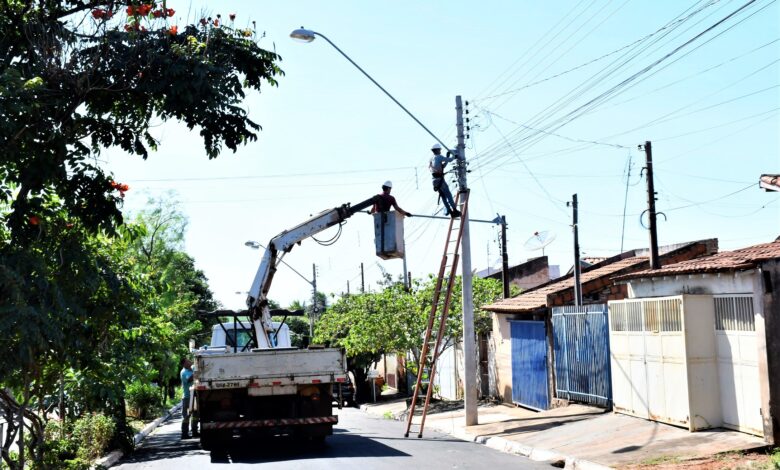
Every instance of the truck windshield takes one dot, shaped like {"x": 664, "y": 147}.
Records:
{"x": 239, "y": 337}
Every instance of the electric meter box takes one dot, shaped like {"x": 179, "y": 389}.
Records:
{"x": 389, "y": 234}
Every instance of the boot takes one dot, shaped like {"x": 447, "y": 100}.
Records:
{"x": 184, "y": 436}
{"x": 455, "y": 214}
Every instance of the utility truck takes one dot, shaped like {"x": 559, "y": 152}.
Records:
{"x": 250, "y": 379}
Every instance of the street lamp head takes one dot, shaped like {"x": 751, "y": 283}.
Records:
{"x": 252, "y": 244}
{"x": 302, "y": 34}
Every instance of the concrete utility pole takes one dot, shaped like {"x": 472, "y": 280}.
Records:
{"x": 362, "y": 280}
{"x": 314, "y": 307}
{"x": 655, "y": 262}
{"x": 504, "y": 258}
{"x": 469, "y": 337}
{"x": 577, "y": 268}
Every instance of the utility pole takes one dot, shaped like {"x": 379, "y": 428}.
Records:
{"x": 314, "y": 307}
{"x": 655, "y": 263}
{"x": 504, "y": 258}
{"x": 469, "y": 337}
{"x": 362, "y": 280}
{"x": 347, "y": 287}
{"x": 575, "y": 228}
{"x": 406, "y": 276}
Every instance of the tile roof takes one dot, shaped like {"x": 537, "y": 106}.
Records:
{"x": 737, "y": 260}
{"x": 536, "y": 298}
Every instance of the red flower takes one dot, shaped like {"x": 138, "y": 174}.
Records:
{"x": 130, "y": 10}
{"x": 98, "y": 13}
{"x": 157, "y": 13}
{"x": 144, "y": 9}
{"x": 173, "y": 31}
{"x": 34, "y": 220}
{"x": 128, "y": 27}
{"x": 143, "y": 28}
{"x": 170, "y": 11}
{"x": 232, "y": 16}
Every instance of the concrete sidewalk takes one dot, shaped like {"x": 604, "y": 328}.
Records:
{"x": 580, "y": 436}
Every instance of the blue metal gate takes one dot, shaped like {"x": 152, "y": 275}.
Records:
{"x": 529, "y": 364}
{"x": 581, "y": 346}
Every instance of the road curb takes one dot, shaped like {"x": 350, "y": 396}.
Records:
{"x": 508, "y": 446}
{"x": 111, "y": 458}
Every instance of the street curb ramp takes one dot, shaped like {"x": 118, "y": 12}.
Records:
{"x": 112, "y": 457}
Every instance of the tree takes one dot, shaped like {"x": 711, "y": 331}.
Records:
{"x": 65, "y": 298}
{"x": 394, "y": 320}
{"x": 78, "y": 76}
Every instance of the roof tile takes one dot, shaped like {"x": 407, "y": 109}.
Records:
{"x": 737, "y": 260}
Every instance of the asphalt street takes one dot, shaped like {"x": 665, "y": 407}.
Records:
{"x": 359, "y": 441}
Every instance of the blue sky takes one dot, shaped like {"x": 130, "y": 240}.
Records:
{"x": 560, "y": 94}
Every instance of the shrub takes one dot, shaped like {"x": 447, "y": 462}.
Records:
{"x": 142, "y": 398}
{"x": 92, "y": 433}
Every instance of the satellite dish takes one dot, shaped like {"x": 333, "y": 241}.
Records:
{"x": 539, "y": 240}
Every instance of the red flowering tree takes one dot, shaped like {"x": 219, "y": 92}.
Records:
{"x": 79, "y": 76}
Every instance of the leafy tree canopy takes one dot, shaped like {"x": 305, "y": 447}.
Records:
{"x": 78, "y": 76}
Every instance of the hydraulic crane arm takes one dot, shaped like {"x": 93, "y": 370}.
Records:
{"x": 257, "y": 301}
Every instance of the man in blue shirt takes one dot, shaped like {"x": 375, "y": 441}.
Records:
{"x": 186, "y": 382}
{"x": 436, "y": 165}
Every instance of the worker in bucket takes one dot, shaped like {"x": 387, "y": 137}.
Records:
{"x": 436, "y": 165}
{"x": 383, "y": 201}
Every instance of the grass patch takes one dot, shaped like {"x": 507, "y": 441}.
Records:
{"x": 774, "y": 457}
{"x": 662, "y": 460}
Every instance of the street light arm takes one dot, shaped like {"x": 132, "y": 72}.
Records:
{"x": 381, "y": 88}
{"x": 253, "y": 244}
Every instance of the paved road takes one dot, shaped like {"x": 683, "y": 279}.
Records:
{"x": 359, "y": 441}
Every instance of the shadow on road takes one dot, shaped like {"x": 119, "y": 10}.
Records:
{"x": 258, "y": 449}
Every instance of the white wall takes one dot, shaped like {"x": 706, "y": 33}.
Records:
{"x": 740, "y": 282}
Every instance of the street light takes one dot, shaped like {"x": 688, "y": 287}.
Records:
{"x": 256, "y": 246}
{"x": 469, "y": 344}
{"x": 306, "y": 35}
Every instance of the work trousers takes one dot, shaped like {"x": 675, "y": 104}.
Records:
{"x": 187, "y": 421}
{"x": 441, "y": 187}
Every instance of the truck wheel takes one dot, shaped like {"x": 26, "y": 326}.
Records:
{"x": 214, "y": 440}
{"x": 207, "y": 440}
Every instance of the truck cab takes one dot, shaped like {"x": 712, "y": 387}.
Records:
{"x": 235, "y": 336}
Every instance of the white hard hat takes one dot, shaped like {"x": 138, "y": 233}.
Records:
{"x": 388, "y": 183}
{"x": 436, "y": 146}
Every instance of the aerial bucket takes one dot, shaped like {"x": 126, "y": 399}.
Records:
{"x": 389, "y": 234}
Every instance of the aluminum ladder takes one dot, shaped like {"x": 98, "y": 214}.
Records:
{"x": 437, "y": 319}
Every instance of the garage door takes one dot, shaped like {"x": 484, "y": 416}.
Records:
{"x": 529, "y": 364}
{"x": 735, "y": 335}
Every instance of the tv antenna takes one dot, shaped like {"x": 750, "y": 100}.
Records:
{"x": 539, "y": 240}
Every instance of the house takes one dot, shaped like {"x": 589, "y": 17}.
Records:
{"x": 526, "y": 321}
{"x": 709, "y": 326}
{"x": 526, "y": 275}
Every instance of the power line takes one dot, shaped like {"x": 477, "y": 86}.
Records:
{"x": 285, "y": 175}
{"x": 613, "y": 91}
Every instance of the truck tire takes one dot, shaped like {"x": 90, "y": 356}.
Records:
{"x": 215, "y": 440}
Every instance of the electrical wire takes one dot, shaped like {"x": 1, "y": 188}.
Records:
{"x": 332, "y": 240}
{"x": 589, "y": 105}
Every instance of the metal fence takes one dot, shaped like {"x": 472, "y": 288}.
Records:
{"x": 581, "y": 347}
